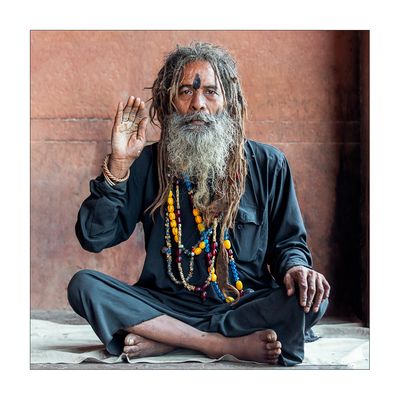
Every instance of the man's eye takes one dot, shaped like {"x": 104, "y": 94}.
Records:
{"x": 186, "y": 91}
{"x": 212, "y": 92}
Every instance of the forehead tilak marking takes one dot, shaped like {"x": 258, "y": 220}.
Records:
{"x": 196, "y": 82}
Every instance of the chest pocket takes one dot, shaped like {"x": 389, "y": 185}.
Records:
{"x": 246, "y": 234}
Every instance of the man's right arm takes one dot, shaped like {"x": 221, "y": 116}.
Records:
{"x": 109, "y": 215}
{"x": 103, "y": 217}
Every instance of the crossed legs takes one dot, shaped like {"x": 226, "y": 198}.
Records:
{"x": 162, "y": 334}
{"x": 126, "y": 322}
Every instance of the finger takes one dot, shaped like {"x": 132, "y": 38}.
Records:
{"x": 302, "y": 282}
{"x": 310, "y": 290}
{"x": 319, "y": 294}
{"x": 118, "y": 115}
{"x": 134, "y": 110}
{"x": 327, "y": 288}
{"x": 128, "y": 108}
{"x": 141, "y": 135}
{"x": 289, "y": 283}
{"x": 141, "y": 113}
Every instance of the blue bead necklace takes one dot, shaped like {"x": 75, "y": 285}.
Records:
{"x": 207, "y": 242}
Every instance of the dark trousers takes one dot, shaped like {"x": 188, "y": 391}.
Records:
{"x": 110, "y": 306}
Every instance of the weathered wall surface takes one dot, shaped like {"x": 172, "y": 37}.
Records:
{"x": 302, "y": 90}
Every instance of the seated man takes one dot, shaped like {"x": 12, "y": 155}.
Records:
{"x": 227, "y": 268}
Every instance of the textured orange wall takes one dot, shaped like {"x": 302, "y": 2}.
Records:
{"x": 302, "y": 90}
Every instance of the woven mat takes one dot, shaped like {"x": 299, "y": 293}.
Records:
{"x": 340, "y": 344}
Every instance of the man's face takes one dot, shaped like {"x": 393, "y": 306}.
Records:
{"x": 199, "y": 134}
{"x": 199, "y": 91}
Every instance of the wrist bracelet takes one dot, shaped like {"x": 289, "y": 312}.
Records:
{"x": 110, "y": 178}
{"x": 109, "y": 181}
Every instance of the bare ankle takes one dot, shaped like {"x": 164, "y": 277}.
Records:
{"x": 216, "y": 345}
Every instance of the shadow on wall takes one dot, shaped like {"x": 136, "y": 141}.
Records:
{"x": 346, "y": 254}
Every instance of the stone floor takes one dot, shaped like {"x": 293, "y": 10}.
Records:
{"x": 69, "y": 317}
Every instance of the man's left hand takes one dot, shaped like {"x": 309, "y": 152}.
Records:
{"x": 313, "y": 287}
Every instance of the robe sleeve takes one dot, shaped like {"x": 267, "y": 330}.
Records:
{"x": 109, "y": 215}
{"x": 287, "y": 245}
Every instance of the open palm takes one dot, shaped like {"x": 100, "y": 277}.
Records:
{"x": 129, "y": 131}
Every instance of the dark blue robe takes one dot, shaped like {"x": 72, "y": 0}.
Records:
{"x": 269, "y": 237}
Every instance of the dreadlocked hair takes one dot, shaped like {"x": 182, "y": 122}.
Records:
{"x": 230, "y": 189}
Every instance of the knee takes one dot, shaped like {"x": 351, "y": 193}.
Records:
{"x": 292, "y": 302}
{"x": 286, "y": 308}
{"x": 80, "y": 283}
{"x": 296, "y": 309}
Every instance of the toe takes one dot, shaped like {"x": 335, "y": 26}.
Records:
{"x": 271, "y": 335}
{"x": 130, "y": 350}
{"x": 273, "y": 353}
{"x": 130, "y": 339}
{"x": 273, "y": 345}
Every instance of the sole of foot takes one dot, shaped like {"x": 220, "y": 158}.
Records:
{"x": 137, "y": 346}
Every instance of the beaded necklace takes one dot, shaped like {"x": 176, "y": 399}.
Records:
{"x": 207, "y": 242}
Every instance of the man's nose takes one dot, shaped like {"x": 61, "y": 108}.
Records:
{"x": 198, "y": 102}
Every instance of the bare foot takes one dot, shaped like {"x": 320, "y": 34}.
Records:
{"x": 138, "y": 346}
{"x": 261, "y": 346}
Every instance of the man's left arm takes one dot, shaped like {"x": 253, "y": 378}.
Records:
{"x": 288, "y": 253}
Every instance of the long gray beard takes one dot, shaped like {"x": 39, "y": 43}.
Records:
{"x": 200, "y": 151}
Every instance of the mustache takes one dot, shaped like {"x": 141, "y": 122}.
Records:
{"x": 197, "y": 116}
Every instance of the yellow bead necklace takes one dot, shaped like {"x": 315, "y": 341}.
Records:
{"x": 173, "y": 226}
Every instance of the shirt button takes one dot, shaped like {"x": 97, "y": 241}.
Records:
{"x": 239, "y": 226}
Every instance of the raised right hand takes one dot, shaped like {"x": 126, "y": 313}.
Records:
{"x": 128, "y": 136}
